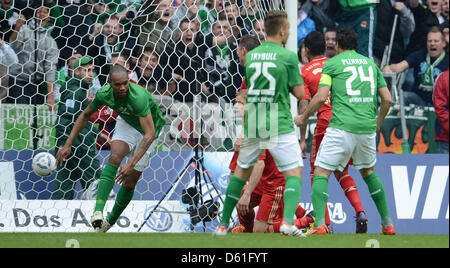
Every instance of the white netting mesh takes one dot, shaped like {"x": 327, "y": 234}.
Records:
{"x": 183, "y": 53}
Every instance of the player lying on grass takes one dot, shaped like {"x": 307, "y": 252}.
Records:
{"x": 138, "y": 125}
{"x": 264, "y": 189}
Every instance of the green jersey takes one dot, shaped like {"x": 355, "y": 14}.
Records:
{"x": 357, "y": 4}
{"x": 355, "y": 80}
{"x": 138, "y": 103}
{"x": 270, "y": 73}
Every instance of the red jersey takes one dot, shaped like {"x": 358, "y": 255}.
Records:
{"x": 243, "y": 86}
{"x": 311, "y": 73}
{"x": 271, "y": 177}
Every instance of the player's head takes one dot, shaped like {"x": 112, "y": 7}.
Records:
{"x": 42, "y": 13}
{"x": 258, "y": 30}
{"x": 84, "y": 69}
{"x": 120, "y": 58}
{"x": 435, "y": 42}
{"x": 246, "y": 44}
{"x": 148, "y": 61}
{"x": 189, "y": 31}
{"x": 241, "y": 99}
{"x": 118, "y": 79}
{"x": 330, "y": 42}
{"x": 112, "y": 29}
{"x": 314, "y": 44}
{"x": 346, "y": 39}
{"x": 276, "y": 25}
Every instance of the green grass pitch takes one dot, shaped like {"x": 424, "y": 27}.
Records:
{"x": 206, "y": 240}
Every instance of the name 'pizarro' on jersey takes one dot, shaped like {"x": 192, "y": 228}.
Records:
{"x": 354, "y": 81}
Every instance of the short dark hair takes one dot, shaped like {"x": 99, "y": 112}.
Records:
{"x": 249, "y": 42}
{"x": 274, "y": 21}
{"x": 346, "y": 38}
{"x": 436, "y": 29}
{"x": 116, "y": 68}
{"x": 315, "y": 42}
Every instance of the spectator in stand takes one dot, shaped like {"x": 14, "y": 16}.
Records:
{"x": 8, "y": 18}
{"x": 250, "y": 13}
{"x": 427, "y": 65}
{"x": 305, "y": 25}
{"x": 186, "y": 62}
{"x": 425, "y": 18}
{"x": 122, "y": 59}
{"x": 361, "y": 15}
{"x": 38, "y": 55}
{"x": 150, "y": 73}
{"x": 221, "y": 63}
{"x": 105, "y": 40}
{"x": 441, "y": 102}
{"x": 208, "y": 14}
{"x": 258, "y": 30}
{"x": 330, "y": 42}
{"x": 444, "y": 8}
{"x": 7, "y": 58}
{"x": 322, "y": 12}
{"x": 444, "y": 28}
{"x": 158, "y": 30}
{"x": 234, "y": 18}
{"x": 187, "y": 9}
{"x": 387, "y": 9}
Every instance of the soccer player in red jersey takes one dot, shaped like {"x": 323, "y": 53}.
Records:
{"x": 264, "y": 189}
{"x": 311, "y": 73}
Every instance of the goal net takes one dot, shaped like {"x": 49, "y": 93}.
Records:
{"x": 183, "y": 52}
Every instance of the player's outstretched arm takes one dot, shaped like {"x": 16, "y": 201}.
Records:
{"x": 386, "y": 101}
{"x": 81, "y": 122}
{"x": 244, "y": 202}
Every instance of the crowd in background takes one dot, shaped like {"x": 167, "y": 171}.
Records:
{"x": 186, "y": 48}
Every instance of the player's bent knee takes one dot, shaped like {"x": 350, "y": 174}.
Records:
{"x": 115, "y": 159}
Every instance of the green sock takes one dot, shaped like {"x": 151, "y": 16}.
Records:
{"x": 291, "y": 197}
{"x": 105, "y": 186}
{"x": 319, "y": 199}
{"x": 123, "y": 198}
{"x": 378, "y": 195}
{"x": 232, "y": 196}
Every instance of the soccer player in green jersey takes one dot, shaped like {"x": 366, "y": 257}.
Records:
{"x": 355, "y": 82}
{"x": 271, "y": 73}
{"x": 138, "y": 125}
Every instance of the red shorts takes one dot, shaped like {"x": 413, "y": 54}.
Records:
{"x": 270, "y": 204}
{"x": 319, "y": 133}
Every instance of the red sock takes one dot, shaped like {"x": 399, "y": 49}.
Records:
{"x": 348, "y": 185}
{"x": 300, "y": 212}
{"x": 247, "y": 221}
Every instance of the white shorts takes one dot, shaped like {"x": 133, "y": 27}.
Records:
{"x": 285, "y": 150}
{"x": 338, "y": 146}
{"x": 128, "y": 134}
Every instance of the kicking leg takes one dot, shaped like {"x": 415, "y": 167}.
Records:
{"x": 119, "y": 149}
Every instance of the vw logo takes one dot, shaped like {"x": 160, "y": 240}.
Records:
{"x": 160, "y": 221}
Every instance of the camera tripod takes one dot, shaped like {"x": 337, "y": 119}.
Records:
{"x": 199, "y": 209}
